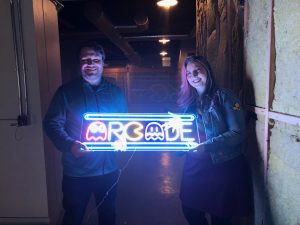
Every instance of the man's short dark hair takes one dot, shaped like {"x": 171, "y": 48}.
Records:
{"x": 92, "y": 45}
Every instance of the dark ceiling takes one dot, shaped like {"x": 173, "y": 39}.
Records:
{"x": 126, "y": 41}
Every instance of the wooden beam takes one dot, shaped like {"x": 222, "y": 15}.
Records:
{"x": 286, "y": 118}
{"x": 268, "y": 89}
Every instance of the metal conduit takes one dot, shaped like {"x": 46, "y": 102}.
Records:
{"x": 18, "y": 45}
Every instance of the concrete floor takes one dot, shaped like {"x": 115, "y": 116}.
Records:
{"x": 149, "y": 190}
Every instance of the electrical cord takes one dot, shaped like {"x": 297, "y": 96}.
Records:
{"x": 110, "y": 189}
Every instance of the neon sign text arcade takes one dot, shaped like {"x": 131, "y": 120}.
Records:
{"x": 141, "y": 132}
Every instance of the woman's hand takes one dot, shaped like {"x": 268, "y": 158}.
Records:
{"x": 197, "y": 152}
{"x": 198, "y": 148}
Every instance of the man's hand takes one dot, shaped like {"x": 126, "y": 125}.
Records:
{"x": 78, "y": 149}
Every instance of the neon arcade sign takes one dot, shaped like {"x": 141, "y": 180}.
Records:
{"x": 139, "y": 132}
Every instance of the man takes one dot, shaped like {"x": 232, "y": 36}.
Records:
{"x": 85, "y": 173}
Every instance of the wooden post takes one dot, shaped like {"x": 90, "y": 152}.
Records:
{"x": 268, "y": 104}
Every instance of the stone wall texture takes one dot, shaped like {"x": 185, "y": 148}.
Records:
{"x": 287, "y": 42}
{"x": 255, "y": 51}
{"x": 219, "y": 37}
{"x": 281, "y": 190}
{"x": 234, "y": 37}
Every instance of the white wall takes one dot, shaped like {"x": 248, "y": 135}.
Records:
{"x": 26, "y": 180}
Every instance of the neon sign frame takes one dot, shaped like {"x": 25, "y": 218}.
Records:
{"x": 123, "y": 131}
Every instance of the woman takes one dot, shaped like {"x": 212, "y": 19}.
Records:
{"x": 215, "y": 175}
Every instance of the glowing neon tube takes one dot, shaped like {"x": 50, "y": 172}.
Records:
{"x": 139, "y": 132}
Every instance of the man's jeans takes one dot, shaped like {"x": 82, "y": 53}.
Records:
{"x": 77, "y": 192}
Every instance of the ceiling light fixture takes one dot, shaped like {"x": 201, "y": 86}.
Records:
{"x": 167, "y": 3}
{"x": 163, "y": 53}
{"x": 164, "y": 41}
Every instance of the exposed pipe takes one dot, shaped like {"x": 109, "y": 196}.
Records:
{"x": 130, "y": 28}
{"x": 94, "y": 13}
{"x": 142, "y": 24}
{"x": 141, "y": 20}
{"x": 24, "y": 69}
{"x": 19, "y": 44}
{"x": 13, "y": 24}
{"x": 157, "y": 37}
{"x": 93, "y": 35}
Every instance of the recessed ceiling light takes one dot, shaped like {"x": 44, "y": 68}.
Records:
{"x": 163, "y": 53}
{"x": 164, "y": 41}
{"x": 167, "y": 3}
